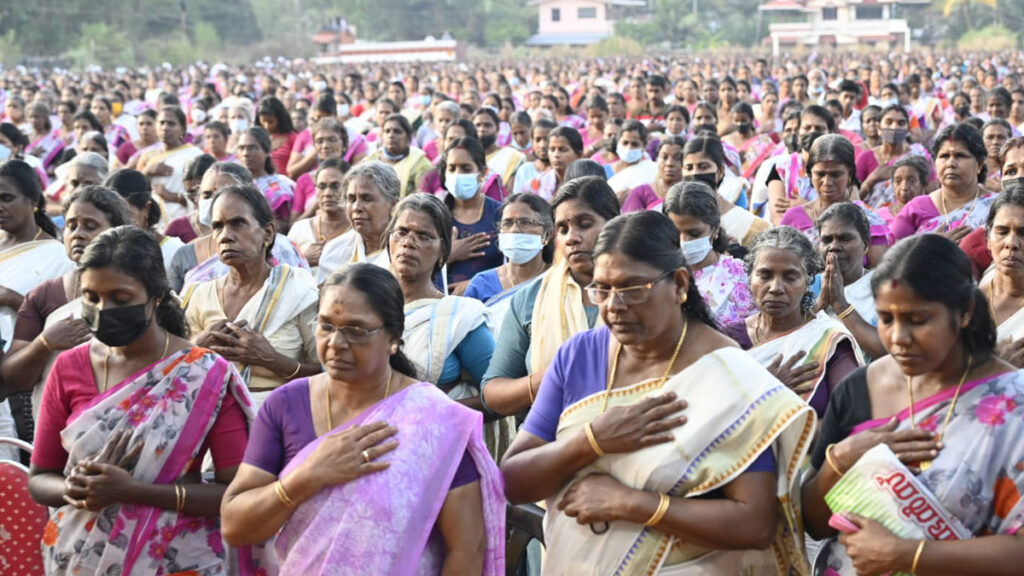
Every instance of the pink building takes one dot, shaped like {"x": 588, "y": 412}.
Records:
{"x": 576, "y": 22}
{"x": 871, "y": 23}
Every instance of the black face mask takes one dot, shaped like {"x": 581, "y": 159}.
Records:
{"x": 744, "y": 127}
{"x": 1008, "y": 182}
{"x": 709, "y": 178}
{"x": 116, "y": 326}
{"x": 807, "y": 140}
{"x": 963, "y": 111}
{"x": 488, "y": 141}
{"x": 792, "y": 143}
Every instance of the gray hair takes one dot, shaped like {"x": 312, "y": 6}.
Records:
{"x": 92, "y": 160}
{"x": 451, "y": 108}
{"x": 245, "y": 106}
{"x": 920, "y": 164}
{"x": 439, "y": 214}
{"x": 380, "y": 175}
{"x": 791, "y": 239}
{"x": 240, "y": 174}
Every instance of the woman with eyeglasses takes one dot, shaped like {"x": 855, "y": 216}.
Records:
{"x": 659, "y": 446}
{"x": 329, "y": 221}
{"x": 364, "y": 468}
{"x": 329, "y": 141}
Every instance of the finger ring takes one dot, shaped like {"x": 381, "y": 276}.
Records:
{"x": 80, "y": 504}
{"x": 366, "y": 456}
{"x": 599, "y": 528}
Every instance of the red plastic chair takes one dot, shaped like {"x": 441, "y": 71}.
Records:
{"x": 22, "y": 520}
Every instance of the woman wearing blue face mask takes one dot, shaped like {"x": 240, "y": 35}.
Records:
{"x": 525, "y": 239}
{"x": 194, "y": 224}
{"x": 721, "y": 279}
{"x": 474, "y": 215}
{"x": 634, "y": 168}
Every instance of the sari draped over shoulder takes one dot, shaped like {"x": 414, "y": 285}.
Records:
{"x": 284, "y": 251}
{"x": 347, "y": 248}
{"x": 755, "y": 151}
{"x": 643, "y": 172}
{"x": 883, "y": 194}
{"x": 978, "y": 476}
{"x": 25, "y": 266}
{"x": 498, "y": 305}
{"x": 177, "y": 159}
{"x": 50, "y": 145}
{"x": 505, "y": 162}
{"x": 743, "y": 226}
{"x": 817, "y": 339}
{"x": 558, "y": 313}
{"x": 170, "y": 406}
{"x": 740, "y": 410}
{"x": 72, "y": 309}
{"x": 974, "y": 214}
{"x": 859, "y": 294}
{"x": 798, "y": 218}
{"x": 384, "y": 523}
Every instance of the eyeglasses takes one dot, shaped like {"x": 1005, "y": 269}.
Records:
{"x": 521, "y": 223}
{"x": 351, "y": 334}
{"x": 630, "y": 296}
{"x": 402, "y": 234}
{"x": 333, "y": 186}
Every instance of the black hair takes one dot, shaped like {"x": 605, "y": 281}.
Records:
{"x": 671, "y": 141}
{"x": 14, "y": 134}
{"x": 1010, "y": 144}
{"x": 1000, "y": 93}
{"x": 592, "y": 191}
{"x": 651, "y": 238}
{"x": 971, "y": 138}
{"x": 218, "y": 126}
{"x": 27, "y": 183}
{"x": 849, "y": 86}
{"x": 326, "y": 103}
{"x": 439, "y": 215}
{"x": 197, "y": 167}
{"x": 681, "y": 110}
{"x": 333, "y": 124}
{"x": 938, "y": 271}
{"x": 710, "y": 146}
{"x": 263, "y": 139}
{"x": 178, "y": 114}
{"x": 919, "y": 164}
{"x": 546, "y": 214}
{"x": 584, "y": 167}
{"x": 89, "y": 117}
{"x": 134, "y": 187}
{"x": 849, "y": 214}
{"x": 475, "y": 150}
{"x": 257, "y": 204}
{"x": 384, "y": 295}
{"x": 697, "y": 199}
{"x": 596, "y": 101}
{"x": 835, "y": 148}
{"x": 894, "y": 108}
{"x": 742, "y": 107}
{"x": 820, "y": 112}
{"x": 137, "y": 253}
{"x": 338, "y": 164}
{"x": 1002, "y": 123}
{"x": 104, "y": 199}
{"x": 633, "y": 126}
{"x": 571, "y": 135}
{"x": 522, "y": 118}
{"x": 467, "y": 126}
{"x": 271, "y": 106}
{"x": 488, "y": 111}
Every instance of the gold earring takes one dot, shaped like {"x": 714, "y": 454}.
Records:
{"x": 394, "y": 349}
{"x": 685, "y": 298}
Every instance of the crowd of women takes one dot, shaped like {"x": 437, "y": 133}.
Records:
{"x": 287, "y": 319}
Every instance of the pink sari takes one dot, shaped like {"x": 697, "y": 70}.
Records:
{"x": 384, "y": 523}
{"x": 49, "y": 146}
{"x": 171, "y": 405}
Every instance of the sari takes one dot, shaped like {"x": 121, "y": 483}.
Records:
{"x": 817, "y": 339}
{"x": 384, "y": 523}
{"x": 50, "y": 145}
{"x": 795, "y": 181}
{"x": 883, "y": 194}
{"x": 177, "y": 159}
{"x": 1013, "y": 327}
{"x": 860, "y": 296}
{"x": 558, "y": 313}
{"x": 643, "y": 172}
{"x": 978, "y": 474}
{"x": 743, "y": 226}
{"x": 745, "y": 412}
{"x": 411, "y": 169}
{"x": 754, "y": 152}
{"x": 284, "y": 251}
{"x": 505, "y": 162}
{"x": 171, "y": 406}
{"x": 921, "y": 215}
{"x": 279, "y": 192}
{"x": 348, "y": 248}
{"x": 726, "y": 290}
{"x": 498, "y": 305}
{"x": 799, "y": 218}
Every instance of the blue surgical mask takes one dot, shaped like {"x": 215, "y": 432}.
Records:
{"x": 425, "y": 100}
{"x": 524, "y": 149}
{"x": 695, "y": 251}
{"x": 5, "y": 153}
{"x": 392, "y": 157}
{"x": 519, "y": 248}
{"x": 629, "y": 155}
{"x": 462, "y": 186}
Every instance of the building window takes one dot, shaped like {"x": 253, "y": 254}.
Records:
{"x": 586, "y": 13}
{"x": 831, "y": 13}
{"x": 556, "y": 14}
{"x": 869, "y": 12}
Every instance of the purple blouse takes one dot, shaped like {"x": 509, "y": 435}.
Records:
{"x": 284, "y": 425}
{"x": 643, "y": 197}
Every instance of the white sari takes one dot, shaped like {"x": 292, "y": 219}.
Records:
{"x": 860, "y": 296}
{"x": 177, "y": 160}
{"x": 643, "y": 172}
{"x": 347, "y": 249}
{"x": 1013, "y": 327}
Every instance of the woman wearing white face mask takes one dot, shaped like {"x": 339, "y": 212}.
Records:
{"x": 526, "y": 230}
{"x": 240, "y": 118}
{"x": 721, "y": 279}
{"x": 474, "y": 215}
{"x": 634, "y": 168}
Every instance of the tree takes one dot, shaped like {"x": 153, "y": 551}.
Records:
{"x": 965, "y": 5}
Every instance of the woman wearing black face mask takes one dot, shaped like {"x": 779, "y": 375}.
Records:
{"x": 142, "y": 406}
{"x": 875, "y": 166}
{"x": 754, "y": 148}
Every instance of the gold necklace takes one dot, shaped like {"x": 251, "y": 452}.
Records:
{"x": 756, "y": 340}
{"x": 664, "y": 377}
{"x": 956, "y": 395}
{"x": 106, "y": 357}
{"x": 945, "y": 211}
{"x": 38, "y": 234}
{"x": 327, "y": 393}
{"x": 320, "y": 227}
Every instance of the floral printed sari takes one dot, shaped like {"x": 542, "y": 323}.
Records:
{"x": 171, "y": 407}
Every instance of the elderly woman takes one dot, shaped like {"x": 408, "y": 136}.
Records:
{"x": 165, "y": 164}
{"x": 372, "y": 189}
{"x": 254, "y": 151}
{"x": 329, "y": 220}
{"x": 125, "y": 422}
{"x": 832, "y": 167}
{"x": 943, "y": 403}
{"x": 810, "y": 353}
{"x": 670, "y": 171}
{"x": 876, "y": 166}
{"x": 333, "y": 456}
{"x": 633, "y": 168}
{"x": 49, "y": 319}
{"x": 544, "y": 313}
{"x": 526, "y": 238}
{"x": 133, "y": 186}
{"x": 720, "y": 278}
{"x": 257, "y": 315}
{"x": 995, "y": 133}
{"x": 396, "y": 150}
{"x": 1003, "y": 285}
{"x": 628, "y": 489}
{"x": 909, "y": 177}
{"x": 329, "y": 141}
{"x": 960, "y": 204}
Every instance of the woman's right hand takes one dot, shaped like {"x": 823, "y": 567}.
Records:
{"x": 66, "y": 334}
{"x": 796, "y": 378}
{"x": 911, "y": 445}
{"x": 313, "y": 252}
{"x": 646, "y": 423}
{"x": 339, "y": 458}
{"x": 468, "y": 247}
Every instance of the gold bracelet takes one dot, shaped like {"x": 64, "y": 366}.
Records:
{"x": 298, "y": 366}
{"x": 831, "y": 460}
{"x": 589, "y": 430}
{"x": 529, "y": 387}
{"x": 177, "y": 497}
{"x": 184, "y": 495}
{"x": 283, "y": 495}
{"x": 917, "y": 556}
{"x": 45, "y": 343}
{"x": 660, "y": 512}
{"x": 846, "y": 312}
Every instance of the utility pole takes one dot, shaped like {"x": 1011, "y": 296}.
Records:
{"x": 184, "y": 18}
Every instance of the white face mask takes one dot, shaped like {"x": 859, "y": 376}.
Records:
{"x": 695, "y": 251}
{"x": 319, "y": 85}
{"x": 343, "y": 110}
{"x": 198, "y": 115}
{"x": 206, "y": 211}
{"x": 629, "y": 155}
{"x": 519, "y": 248}
{"x": 238, "y": 125}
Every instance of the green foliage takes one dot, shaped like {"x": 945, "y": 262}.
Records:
{"x": 615, "y": 46}
{"x": 988, "y": 38}
{"x": 10, "y": 48}
{"x": 103, "y": 45}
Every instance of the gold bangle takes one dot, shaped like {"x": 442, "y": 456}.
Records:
{"x": 589, "y": 430}
{"x": 45, "y": 343}
{"x": 660, "y": 511}
{"x": 846, "y": 312}
{"x": 831, "y": 460}
{"x": 283, "y": 495}
{"x": 298, "y": 366}
{"x": 184, "y": 495}
{"x": 177, "y": 497}
{"x": 529, "y": 387}
{"x": 917, "y": 556}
